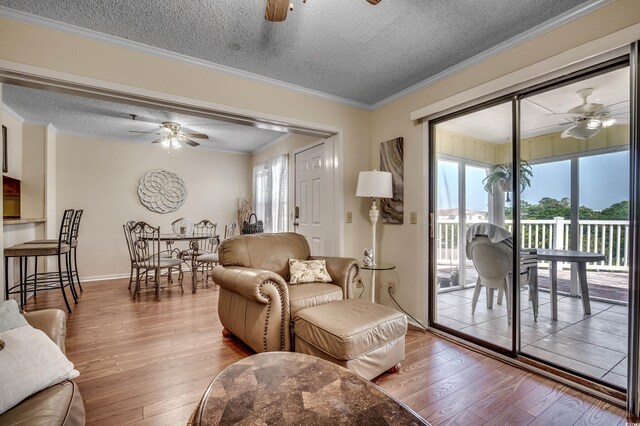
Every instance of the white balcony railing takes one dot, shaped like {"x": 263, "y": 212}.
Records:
{"x": 608, "y": 237}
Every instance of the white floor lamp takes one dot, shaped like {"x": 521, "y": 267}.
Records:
{"x": 374, "y": 184}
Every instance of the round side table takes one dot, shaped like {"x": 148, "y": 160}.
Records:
{"x": 379, "y": 266}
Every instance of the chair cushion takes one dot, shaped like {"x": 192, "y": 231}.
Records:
{"x": 60, "y": 404}
{"x": 208, "y": 258}
{"x": 164, "y": 263}
{"x": 313, "y": 294}
{"x": 74, "y": 243}
{"x": 349, "y": 328}
{"x": 35, "y": 250}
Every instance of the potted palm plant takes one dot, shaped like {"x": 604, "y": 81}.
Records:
{"x": 502, "y": 175}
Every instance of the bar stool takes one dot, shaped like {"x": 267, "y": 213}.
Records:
{"x": 43, "y": 280}
{"x": 72, "y": 255}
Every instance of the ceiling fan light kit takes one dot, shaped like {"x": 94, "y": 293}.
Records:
{"x": 588, "y": 119}
{"x": 171, "y": 136}
{"x": 276, "y": 10}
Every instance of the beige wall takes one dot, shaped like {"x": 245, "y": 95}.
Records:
{"x": 404, "y": 244}
{"x": 101, "y": 176}
{"x": 33, "y": 170}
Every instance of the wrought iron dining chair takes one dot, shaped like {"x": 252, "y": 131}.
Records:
{"x": 211, "y": 259}
{"x": 144, "y": 245}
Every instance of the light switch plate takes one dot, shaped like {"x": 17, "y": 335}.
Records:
{"x": 349, "y": 217}
{"x": 413, "y": 218}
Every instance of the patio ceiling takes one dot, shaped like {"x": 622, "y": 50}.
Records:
{"x": 494, "y": 124}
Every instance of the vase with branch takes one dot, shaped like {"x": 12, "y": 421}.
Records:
{"x": 244, "y": 208}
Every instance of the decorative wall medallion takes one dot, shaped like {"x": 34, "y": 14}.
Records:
{"x": 162, "y": 191}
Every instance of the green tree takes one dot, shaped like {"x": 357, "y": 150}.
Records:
{"x": 616, "y": 211}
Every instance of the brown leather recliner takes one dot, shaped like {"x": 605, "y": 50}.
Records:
{"x": 256, "y": 303}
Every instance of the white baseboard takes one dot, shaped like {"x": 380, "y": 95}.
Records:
{"x": 104, "y": 277}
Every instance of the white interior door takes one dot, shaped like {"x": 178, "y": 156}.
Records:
{"x": 312, "y": 191}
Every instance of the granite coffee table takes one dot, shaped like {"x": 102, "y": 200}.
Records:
{"x": 287, "y": 388}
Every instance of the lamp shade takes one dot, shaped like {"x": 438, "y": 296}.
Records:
{"x": 374, "y": 184}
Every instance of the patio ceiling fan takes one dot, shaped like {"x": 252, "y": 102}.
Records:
{"x": 172, "y": 136}
{"x": 276, "y": 10}
{"x": 589, "y": 118}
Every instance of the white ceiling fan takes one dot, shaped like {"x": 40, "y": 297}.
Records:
{"x": 172, "y": 137}
{"x": 589, "y": 119}
{"x": 276, "y": 10}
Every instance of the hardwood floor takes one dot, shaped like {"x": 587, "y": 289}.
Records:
{"x": 148, "y": 362}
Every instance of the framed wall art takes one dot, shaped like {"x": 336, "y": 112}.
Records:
{"x": 392, "y": 160}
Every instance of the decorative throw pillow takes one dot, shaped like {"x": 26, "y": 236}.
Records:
{"x": 10, "y": 316}
{"x": 30, "y": 362}
{"x": 308, "y": 271}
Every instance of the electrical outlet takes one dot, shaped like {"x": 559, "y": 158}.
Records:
{"x": 349, "y": 217}
{"x": 359, "y": 284}
{"x": 413, "y": 218}
{"x": 392, "y": 287}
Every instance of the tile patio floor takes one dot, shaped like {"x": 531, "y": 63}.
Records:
{"x": 595, "y": 345}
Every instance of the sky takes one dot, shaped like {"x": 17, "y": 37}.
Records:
{"x": 604, "y": 180}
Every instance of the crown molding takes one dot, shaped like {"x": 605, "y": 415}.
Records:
{"x": 528, "y": 35}
{"x": 39, "y": 21}
{"x": 12, "y": 113}
{"x": 270, "y": 144}
{"x": 524, "y": 37}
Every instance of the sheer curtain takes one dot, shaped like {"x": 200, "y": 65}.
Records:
{"x": 270, "y": 193}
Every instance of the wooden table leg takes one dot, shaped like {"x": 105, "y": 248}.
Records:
{"x": 584, "y": 287}
{"x": 554, "y": 290}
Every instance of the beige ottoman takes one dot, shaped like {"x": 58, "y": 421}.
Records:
{"x": 362, "y": 336}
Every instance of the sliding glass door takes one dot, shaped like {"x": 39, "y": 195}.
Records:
{"x": 466, "y": 149}
{"x": 562, "y": 253}
{"x": 575, "y": 138}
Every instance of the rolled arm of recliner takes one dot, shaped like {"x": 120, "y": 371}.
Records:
{"x": 251, "y": 283}
{"x": 344, "y": 271}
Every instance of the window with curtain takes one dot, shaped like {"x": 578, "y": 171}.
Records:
{"x": 270, "y": 193}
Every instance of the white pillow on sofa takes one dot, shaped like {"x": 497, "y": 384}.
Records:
{"x": 10, "y": 316}
{"x": 308, "y": 271}
{"x": 29, "y": 362}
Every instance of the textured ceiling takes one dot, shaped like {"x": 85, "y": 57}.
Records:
{"x": 349, "y": 48}
{"x": 75, "y": 114}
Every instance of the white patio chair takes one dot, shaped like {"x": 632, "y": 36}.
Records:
{"x": 494, "y": 260}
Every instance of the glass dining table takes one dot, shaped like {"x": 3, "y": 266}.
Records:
{"x": 190, "y": 255}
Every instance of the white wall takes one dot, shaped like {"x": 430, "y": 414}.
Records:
{"x": 101, "y": 176}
